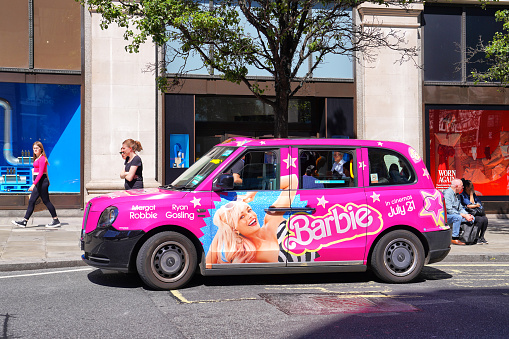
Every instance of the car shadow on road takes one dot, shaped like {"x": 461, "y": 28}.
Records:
{"x": 115, "y": 279}
{"x": 428, "y": 273}
{"x": 131, "y": 280}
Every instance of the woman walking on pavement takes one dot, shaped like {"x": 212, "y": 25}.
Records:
{"x": 133, "y": 170}
{"x": 39, "y": 188}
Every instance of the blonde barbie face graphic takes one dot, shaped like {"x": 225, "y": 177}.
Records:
{"x": 247, "y": 223}
{"x": 237, "y": 217}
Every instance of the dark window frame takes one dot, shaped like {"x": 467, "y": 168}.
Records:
{"x": 31, "y": 68}
{"x": 466, "y": 79}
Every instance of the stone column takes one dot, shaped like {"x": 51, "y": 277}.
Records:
{"x": 120, "y": 103}
{"x": 389, "y": 94}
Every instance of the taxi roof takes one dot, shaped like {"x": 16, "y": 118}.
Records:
{"x": 246, "y": 142}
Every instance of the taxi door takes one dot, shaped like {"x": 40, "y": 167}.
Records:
{"x": 330, "y": 216}
{"x": 244, "y": 221}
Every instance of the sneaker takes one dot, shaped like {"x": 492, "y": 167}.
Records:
{"x": 479, "y": 242}
{"x": 54, "y": 223}
{"x": 484, "y": 241}
{"x": 21, "y": 223}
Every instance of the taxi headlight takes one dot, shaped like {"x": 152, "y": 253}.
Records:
{"x": 108, "y": 216}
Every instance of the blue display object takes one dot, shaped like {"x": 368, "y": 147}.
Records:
{"x": 47, "y": 113}
{"x": 179, "y": 146}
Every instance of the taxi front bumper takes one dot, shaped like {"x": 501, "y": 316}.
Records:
{"x": 109, "y": 248}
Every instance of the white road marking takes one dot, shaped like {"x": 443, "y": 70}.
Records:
{"x": 45, "y": 273}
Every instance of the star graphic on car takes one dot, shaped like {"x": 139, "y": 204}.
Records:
{"x": 425, "y": 172}
{"x": 362, "y": 164}
{"x": 375, "y": 197}
{"x": 322, "y": 201}
{"x": 433, "y": 207}
{"x": 196, "y": 201}
{"x": 290, "y": 161}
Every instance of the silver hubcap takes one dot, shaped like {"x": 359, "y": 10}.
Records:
{"x": 400, "y": 257}
{"x": 169, "y": 261}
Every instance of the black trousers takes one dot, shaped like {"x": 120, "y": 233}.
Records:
{"x": 482, "y": 224}
{"x": 40, "y": 190}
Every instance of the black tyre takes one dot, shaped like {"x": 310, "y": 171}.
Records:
{"x": 166, "y": 261}
{"x": 398, "y": 257}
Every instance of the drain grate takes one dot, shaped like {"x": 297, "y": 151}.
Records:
{"x": 330, "y": 303}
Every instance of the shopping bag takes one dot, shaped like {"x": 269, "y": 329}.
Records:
{"x": 39, "y": 205}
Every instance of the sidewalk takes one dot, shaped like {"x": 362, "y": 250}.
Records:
{"x": 37, "y": 247}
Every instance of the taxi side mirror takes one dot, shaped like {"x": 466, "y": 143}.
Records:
{"x": 223, "y": 182}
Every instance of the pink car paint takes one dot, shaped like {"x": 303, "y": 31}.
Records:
{"x": 349, "y": 228}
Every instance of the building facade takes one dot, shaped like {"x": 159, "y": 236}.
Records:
{"x": 430, "y": 102}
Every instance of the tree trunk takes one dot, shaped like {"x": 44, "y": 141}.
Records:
{"x": 281, "y": 112}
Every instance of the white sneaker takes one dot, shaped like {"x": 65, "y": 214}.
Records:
{"x": 54, "y": 223}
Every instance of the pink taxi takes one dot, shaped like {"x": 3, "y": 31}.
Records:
{"x": 260, "y": 206}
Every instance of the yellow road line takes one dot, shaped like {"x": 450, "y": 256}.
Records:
{"x": 183, "y": 300}
{"x": 469, "y": 264}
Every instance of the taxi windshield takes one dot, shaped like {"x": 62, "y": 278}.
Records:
{"x": 202, "y": 168}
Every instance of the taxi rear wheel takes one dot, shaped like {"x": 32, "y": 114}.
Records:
{"x": 398, "y": 257}
{"x": 166, "y": 261}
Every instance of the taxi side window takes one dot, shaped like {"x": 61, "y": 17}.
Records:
{"x": 387, "y": 167}
{"x": 256, "y": 170}
{"x": 327, "y": 168}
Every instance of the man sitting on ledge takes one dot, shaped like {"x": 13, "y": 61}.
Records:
{"x": 456, "y": 214}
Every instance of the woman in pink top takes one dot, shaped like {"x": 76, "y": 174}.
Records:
{"x": 39, "y": 188}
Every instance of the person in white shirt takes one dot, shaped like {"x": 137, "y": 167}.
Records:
{"x": 337, "y": 166}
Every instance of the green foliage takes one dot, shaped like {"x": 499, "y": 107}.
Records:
{"x": 497, "y": 53}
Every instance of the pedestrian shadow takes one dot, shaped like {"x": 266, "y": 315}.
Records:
{"x": 43, "y": 227}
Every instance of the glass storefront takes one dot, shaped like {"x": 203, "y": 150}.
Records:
{"x": 221, "y": 117}
{"x": 471, "y": 143}
{"x": 47, "y": 113}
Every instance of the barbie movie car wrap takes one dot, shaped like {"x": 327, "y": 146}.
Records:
{"x": 303, "y": 205}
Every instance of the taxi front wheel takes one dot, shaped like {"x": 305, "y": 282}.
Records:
{"x": 398, "y": 257}
{"x": 166, "y": 261}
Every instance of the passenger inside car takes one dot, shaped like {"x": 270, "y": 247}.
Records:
{"x": 309, "y": 179}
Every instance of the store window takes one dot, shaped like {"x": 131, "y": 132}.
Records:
{"x": 47, "y": 113}
{"x": 221, "y": 117}
{"x": 470, "y": 142}
{"x": 447, "y": 57}
{"x": 333, "y": 66}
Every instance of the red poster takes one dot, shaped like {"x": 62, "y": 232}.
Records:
{"x": 470, "y": 144}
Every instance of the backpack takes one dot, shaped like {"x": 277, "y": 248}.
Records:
{"x": 468, "y": 233}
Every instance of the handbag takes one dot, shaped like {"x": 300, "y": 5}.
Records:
{"x": 477, "y": 211}
{"x": 39, "y": 205}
